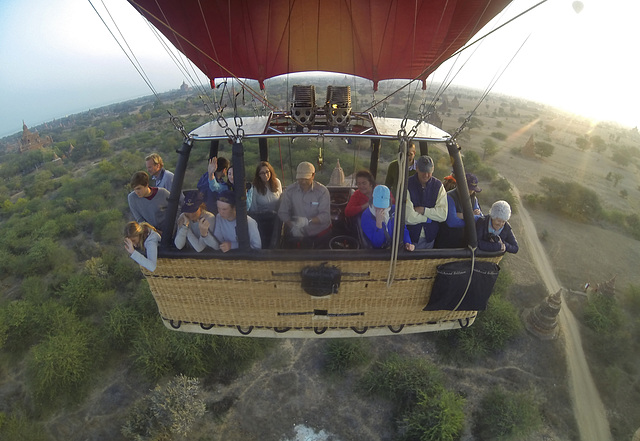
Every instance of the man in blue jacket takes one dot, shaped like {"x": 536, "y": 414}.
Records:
{"x": 426, "y": 205}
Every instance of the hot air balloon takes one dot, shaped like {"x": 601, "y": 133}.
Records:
{"x": 344, "y": 292}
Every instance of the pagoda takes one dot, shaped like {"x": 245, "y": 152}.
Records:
{"x": 542, "y": 321}
{"x": 32, "y": 141}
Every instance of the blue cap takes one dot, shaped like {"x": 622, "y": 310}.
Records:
{"x": 381, "y": 196}
{"x": 192, "y": 201}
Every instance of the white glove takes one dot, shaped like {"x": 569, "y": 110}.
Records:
{"x": 297, "y": 226}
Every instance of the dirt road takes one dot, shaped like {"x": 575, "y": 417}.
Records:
{"x": 589, "y": 411}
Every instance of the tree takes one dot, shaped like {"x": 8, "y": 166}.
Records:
{"x": 543, "y": 149}
{"x": 499, "y": 136}
{"x": 489, "y": 148}
{"x": 599, "y": 145}
{"x": 166, "y": 412}
{"x": 616, "y": 177}
{"x": 582, "y": 143}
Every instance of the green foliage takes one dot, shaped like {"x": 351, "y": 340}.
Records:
{"x": 158, "y": 351}
{"x": 400, "y": 378}
{"x": 499, "y": 136}
{"x": 489, "y": 148}
{"x": 491, "y": 332}
{"x": 22, "y": 325}
{"x": 543, "y": 149}
{"x": 435, "y": 417}
{"x": 17, "y": 427}
{"x": 603, "y": 314}
{"x": 507, "y": 416}
{"x": 582, "y": 143}
{"x": 570, "y": 199}
{"x": 631, "y": 300}
{"x": 82, "y": 292}
{"x": 167, "y": 412}
{"x": 34, "y": 289}
{"x": 61, "y": 365}
{"x": 344, "y": 354}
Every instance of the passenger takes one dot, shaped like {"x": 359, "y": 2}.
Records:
{"x": 214, "y": 181}
{"x": 141, "y": 242}
{"x": 451, "y": 234}
{"x": 147, "y": 204}
{"x": 160, "y": 177}
{"x": 267, "y": 189}
{"x": 249, "y": 188}
{"x": 225, "y": 229}
{"x": 377, "y": 221}
{"x": 494, "y": 232}
{"x": 361, "y": 198}
{"x": 305, "y": 208}
{"x": 426, "y": 204}
{"x": 449, "y": 182}
{"x": 391, "y": 180}
{"x": 195, "y": 223}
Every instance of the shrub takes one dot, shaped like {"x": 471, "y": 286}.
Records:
{"x": 151, "y": 349}
{"x": 491, "y": 331}
{"x": 22, "y": 326}
{"x": 400, "y": 378}
{"x": 166, "y": 412}
{"x": 60, "y": 366}
{"x": 15, "y": 427}
{"x": 507, "y": 415}
{"x": 120, "y": 324}
{"x": 603, "y": 314}
{"x": 344, "y": 354}
{"x": 435, "y": 418}
{"x": 499, "y": 135}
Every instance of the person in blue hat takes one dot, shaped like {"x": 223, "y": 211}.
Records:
{"x": 195, "y": 224}
{"x": 377, "y": 221}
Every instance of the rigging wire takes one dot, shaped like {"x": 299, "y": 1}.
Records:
{"x": 493, "y": 82}
{"x": 203, "y": 53}
{"x": 137, "y": 67}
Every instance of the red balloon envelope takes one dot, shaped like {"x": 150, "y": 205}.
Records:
{"x": 374, "y": 39}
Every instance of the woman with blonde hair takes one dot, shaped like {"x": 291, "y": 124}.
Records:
{"x": 141, "y": 242}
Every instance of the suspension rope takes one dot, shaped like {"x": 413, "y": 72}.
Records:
{"x": 493, "y": 82}
{"x": 203, "y": 53}
{"x": 137, "y": 67}
{"x": 398, "y": 226}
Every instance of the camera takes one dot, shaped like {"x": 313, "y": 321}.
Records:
{"x": 494, "y": 238}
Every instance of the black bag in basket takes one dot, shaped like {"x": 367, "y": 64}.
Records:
{"x": 451, "y": 282}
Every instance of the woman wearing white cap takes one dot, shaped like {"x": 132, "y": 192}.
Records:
{"x": 377, "y": 221}
{"x": 494, "y": 232}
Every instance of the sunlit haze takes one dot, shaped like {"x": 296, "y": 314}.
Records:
{"x": 58, "y": 58}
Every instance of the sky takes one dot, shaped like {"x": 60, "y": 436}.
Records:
{"x": 58, "y": 58}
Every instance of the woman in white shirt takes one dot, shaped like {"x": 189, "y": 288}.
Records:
{"x": 267, "y": 189}
{"x": 141, "y": 242}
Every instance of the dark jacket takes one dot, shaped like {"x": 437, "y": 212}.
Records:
{"x": 423, "y": 197}
{"x": 488, "y": 241}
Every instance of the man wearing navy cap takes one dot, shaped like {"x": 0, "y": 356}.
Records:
{"x": 195, "y": 224}
{"x": 426, "y": 205}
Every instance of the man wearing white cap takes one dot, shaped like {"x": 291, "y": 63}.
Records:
{"x": 305, "y": 208}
